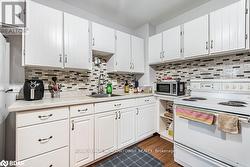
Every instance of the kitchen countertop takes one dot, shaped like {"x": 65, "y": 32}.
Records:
{"x": 22, "y": 105}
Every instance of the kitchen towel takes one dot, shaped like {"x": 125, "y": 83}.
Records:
{"x": 228, "y": 123}
{"x": 193, "y": 115}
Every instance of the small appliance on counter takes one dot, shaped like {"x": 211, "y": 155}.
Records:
{"x": 170, "y": 87}
{"x": 33, "y": 90}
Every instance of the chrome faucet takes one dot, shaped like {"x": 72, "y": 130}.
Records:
{"x": 100, "y": 85}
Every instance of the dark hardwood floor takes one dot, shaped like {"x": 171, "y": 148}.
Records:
{"x": 157, "y": 147}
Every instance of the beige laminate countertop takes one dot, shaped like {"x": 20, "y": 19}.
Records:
{"x": 22, "y": 105}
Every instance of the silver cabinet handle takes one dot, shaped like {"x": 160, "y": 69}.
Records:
{"x": 207, "y": 45}
{"x": 147, "y": 100}
{"x": 163, "y": 54}
{"x": 66, "y": 59}
{"x": 133, "y": 65}
{"x": 45, "y": 139}
{"x": 60, "y": 58}
{"x": 93, "y": 40}
{"x": 117, "y": 105}
{"x": 212, "y": 44}
{"x": 116, "y": 115}
{"x": 44, "y": 117}
{"x": 137, "y": 112}
{"x": 73, "y": 125}
{"x": 84, "y": 110}
{"x": 119, "y": 114}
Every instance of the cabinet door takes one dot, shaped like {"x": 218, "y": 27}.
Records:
{"x": 82, "y": 141}
{"x": 123, "y": 52}
{"x": 145, "y": 121}
{"x": 172, "y": 44}
{"x": 126, "y": 127}
{"x": 155, "y": 49}
{"x": 227, "y": 28}
{"x": 103, "y": 38}
{"x": 105, "y": 133}
{"x": 76, "y": 43}
{"x": 137, "y": 54}
{"x": 43, "y": 41}
{"x": 196, "y": 37}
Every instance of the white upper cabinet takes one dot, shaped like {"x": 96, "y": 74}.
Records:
{"x": 228, "y": 28}
{"x": 137, "y": 62}
{"x": 103, "y": 38}
{"x": 196, "y": 37}
{"x": 123, "y": 52}
{"x": 155, "y": 49}
{"x": 76, "y": 43}
{"x": 172, "y": 44}
{"x": 43, "y": 43}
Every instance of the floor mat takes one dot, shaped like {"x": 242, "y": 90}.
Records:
{"x": 131, "y": 157}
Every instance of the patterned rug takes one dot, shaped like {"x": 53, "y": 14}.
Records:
{"x": 131, "y": 157}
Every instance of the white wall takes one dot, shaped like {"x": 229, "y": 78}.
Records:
{"x": 17, "y": 73}
{"x": 145, "y": 32}
{"x": 194, "y": 13}
{"x": 57, "y": 4}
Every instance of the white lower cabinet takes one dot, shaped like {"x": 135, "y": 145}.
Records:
{"x": 57, "y": 158}
{"x": 126, "y": 127}
{"x": 145, "y": 121}
{"x": 82, "y": 141}
{"x": 105, "y": 133}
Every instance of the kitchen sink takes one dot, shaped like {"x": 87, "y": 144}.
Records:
{"x": 103, "y": 95}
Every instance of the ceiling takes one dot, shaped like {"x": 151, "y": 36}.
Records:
{"x": 134, "y": 13}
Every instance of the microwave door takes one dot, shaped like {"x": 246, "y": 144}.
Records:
{"x": 164, "y": 89}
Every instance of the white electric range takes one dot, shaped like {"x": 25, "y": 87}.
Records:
{"x": 201, "y": 145}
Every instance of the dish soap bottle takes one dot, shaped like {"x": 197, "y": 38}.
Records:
{"x": 109, "y": 88}
{"x": 126, "y": 87}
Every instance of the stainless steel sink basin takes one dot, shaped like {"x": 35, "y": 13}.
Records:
{"x": 103, "y": 95}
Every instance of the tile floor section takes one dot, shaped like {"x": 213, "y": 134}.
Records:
{"x": 157, "y": 147}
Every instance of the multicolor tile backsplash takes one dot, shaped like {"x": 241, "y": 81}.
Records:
{"x": 83, "y": 81}
{"x": 223, "y": 67}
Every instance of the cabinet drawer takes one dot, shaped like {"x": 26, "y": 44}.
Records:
{"x": 38, "y": 139}
{"x": 58, "y": 158}
{"x": 145, "y": 100}
{"x": 114, "y": 105}
{"x": 41, "y": 116}
{"x": 81, "y": 110}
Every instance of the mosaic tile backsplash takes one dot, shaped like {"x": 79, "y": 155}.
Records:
{"x": 223, "y": 67}
{"x": 80, "y": 81}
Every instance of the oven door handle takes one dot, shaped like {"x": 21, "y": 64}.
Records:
{"x": 206, "y": 158}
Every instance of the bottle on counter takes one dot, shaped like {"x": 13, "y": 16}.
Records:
{"x": 109, "y": 88}
{"x": 126, "y": 87}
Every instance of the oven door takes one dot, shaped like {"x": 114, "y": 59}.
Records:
{"x": 164, "y": 88}
{"x": 228, "y": 148}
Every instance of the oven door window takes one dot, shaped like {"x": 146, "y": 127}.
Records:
{"x": 163, "y": 88}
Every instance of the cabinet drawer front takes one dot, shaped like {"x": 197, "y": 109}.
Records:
{"x": 81, "y": 110}
{"x": 145, "y": 100}
{"x": 114, "y": 105}
{"x": 58, "y": 158}
{"x": 38, "y": 139}
{"x": 41, "y": 116}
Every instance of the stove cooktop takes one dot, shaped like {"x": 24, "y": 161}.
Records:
{"x": 233, "y": 103}
{"x": 195, "y": 99}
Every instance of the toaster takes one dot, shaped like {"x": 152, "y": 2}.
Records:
{"x": 33, "y": 90}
